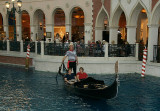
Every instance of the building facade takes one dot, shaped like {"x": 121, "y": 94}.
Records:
{"x": 116, "y": 21}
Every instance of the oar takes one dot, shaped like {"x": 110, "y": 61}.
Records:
{"x": 59, "y": 70}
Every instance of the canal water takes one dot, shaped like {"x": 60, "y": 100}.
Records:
{"x": 31, "y": 90}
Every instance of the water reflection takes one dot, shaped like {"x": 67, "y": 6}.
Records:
{"x": 39, "y": 91}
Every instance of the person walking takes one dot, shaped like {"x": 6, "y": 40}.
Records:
{"x": 72, "y": 58}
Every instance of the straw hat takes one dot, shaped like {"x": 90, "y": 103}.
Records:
{"x": 70, "y": 44}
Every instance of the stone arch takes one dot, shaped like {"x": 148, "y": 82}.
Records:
{"x": 71, "y": 11}
{"x": 59, "y": 24}
{"x": 99, "y": 26}
{"x": 77, "y": 21}
{"x": 54, "y": 11}
{"x": 114, "y": 21}
{"x": 155, "y": 17}
{"x": 135, "y": 12}
{"x": 2, "y": 35}
{"x": 39, "y": 21}
{"x": 25, "y": 21}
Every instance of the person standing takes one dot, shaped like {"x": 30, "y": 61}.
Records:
{"x": 72, "y": 58}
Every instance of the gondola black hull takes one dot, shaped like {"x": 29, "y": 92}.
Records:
{"x": 104, "y": 93}
{"x": 98, "y": 93}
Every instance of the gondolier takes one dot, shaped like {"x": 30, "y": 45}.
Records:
{"x": 72, "y": 58}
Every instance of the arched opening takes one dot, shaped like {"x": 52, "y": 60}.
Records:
{"x": 122, "y": 31}
{"x": 2, "y": 34}
{"x": 11, "y": 26}
{"x": 59, "y": 26}
{"x": 77, "y": 24}
{"x": 102, "y": 27}
{"x": 40, "y": 27}
{"x": 25, "y": 26}
{"x": 142, "y": 28}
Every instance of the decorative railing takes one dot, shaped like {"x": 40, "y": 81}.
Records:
{"x": 156, "y": 53}
{"x": 15, "y": 46}
{"x": 3, "y": 45}
{"x": 118, "y": 50}
{"x": 38, "y": 47}
{"x": 85, "y": 50}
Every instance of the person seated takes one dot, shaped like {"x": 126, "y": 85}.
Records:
{"x": 81, "y": 75}
{"x": 69, "y": 77}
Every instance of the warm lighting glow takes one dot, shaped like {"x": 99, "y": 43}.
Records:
{"x": 76, "y": 16}
{"x": 19, "y": 3}
{"x": 13, "y": 0}
{"x": 105, "y": 22}
{"x": 143, "y": 11}
{"x": 7, "y": 5}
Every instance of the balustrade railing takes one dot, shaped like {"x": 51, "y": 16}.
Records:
{"x": 15, "y": 46}
{"x": 118, "y": 50}
{"x": 156, "y": 53}
{"x": 85, "y": 50}
{"x": 3, "y": 45}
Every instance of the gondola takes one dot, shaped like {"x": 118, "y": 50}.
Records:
{"x": 93, "y": 88}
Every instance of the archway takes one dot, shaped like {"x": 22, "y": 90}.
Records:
{"x": 59, "y": 26}
{"x": 77, "y": 24}
{"x": 142, "y": 28}
{"x": 39, "y": 23}
{"x": 11, "y": 25}
{"x": 118, "y": 27}
{"x": 122, "y": 31}
{"x": 25, "y": 26}
{"x": 2, "y": 35}
{"x": 102, "y": 27}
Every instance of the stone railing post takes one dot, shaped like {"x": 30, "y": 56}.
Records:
{"x": 137, "y": 50}
{"x": 42, "y": 48}
{"x": 106, "y": 50}
{"x": 36, "y": 47}
{"x": 21, "y": 46}
{"x": 8, "y": 46}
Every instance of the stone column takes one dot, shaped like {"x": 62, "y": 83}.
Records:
{"x": 131, "y": 34}
{"x": 68, "y": 29}
{"x": 33, "y": 33}
{"x": 113, "y": 34}
{"x": 21, "y": 46}
{"x": 106, "y": 50}
{"x": 19, "y": 32}
{"x": 6, "y": 30}
{"x": 42, "y": 48}
{"x": 88, "y": 33}
{"x": 98, "y": 33}
{"x": 152, "y": 40}
{"x": 49, "y": 28}
{"x": 8, "y": 46}
{"x": 137, "y": 51}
